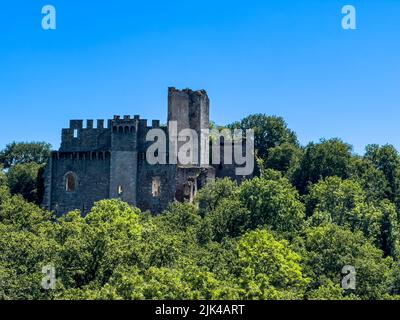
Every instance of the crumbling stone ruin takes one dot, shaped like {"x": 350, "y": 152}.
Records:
{"x": 109, "y": 161}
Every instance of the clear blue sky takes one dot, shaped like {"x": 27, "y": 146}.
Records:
{"x": 287, "y": 58}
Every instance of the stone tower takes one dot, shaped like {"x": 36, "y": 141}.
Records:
{"x": 191, "y": 109}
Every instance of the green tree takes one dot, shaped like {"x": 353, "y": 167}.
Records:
{"x": 284, "y": 158}
{"x": 327, "y": 158}
{"x": 390, "y": 230}
{"x": 18, "y": 214}
{"x": 167, "y": 284}
{"x": 269, "y": 132}
{"x": 268, "y": 268}
{"x": 272, "y": 203}
{"x": 24, "y": 179}
{"x": 23, "y": 254}
{"x": 329, "y": 291}
{"x": 209, "y": 197}
{"x": 229, "y": 219}
{"x": 27, "y": 245}
{"x": 328, "y": 248}
{"x": 23, "y": 152}
{"x": 92, "y": 247}
{"x": 181, "y": 216}
{"x": 3, "y": 177}
{"x": 344, "y": 203}
{"x": 387, "y": 159}
{"x": 336, "y": 197}
{"x": 372, "y": 180}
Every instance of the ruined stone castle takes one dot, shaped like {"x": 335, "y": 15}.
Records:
{"x": 108, "y": 160}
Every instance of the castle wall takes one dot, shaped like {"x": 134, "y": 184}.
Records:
{"x": 97, "y": 162}
{"x": 92, "y": 172}
{"x": 166, "y": 173}
{"x": 167, "y": 176}
{"x": 123, "y": 176}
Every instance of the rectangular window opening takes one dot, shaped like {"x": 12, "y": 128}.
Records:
{"x": 156, "y": 187}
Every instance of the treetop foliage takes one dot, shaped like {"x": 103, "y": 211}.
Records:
{"x": 21, "y": 153}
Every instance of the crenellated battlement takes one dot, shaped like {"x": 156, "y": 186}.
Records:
{"x": 85, "y": 135}
{"x": 118, "y": 124}
{"x": 106, "y": 159}
{"x": 90, "y": 124}
{"x": 190, "y": 109}
{"x": 81, "y": 155}
{"x": 125, "y": 124}
{"x": 132, "y": 125}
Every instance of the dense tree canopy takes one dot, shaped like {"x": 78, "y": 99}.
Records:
{"x": 25, "y": 164}
{"x": 20, "y": 153}
{"x": 327, "y": 158}
{"x": 330, "y": 247}
{"x": 24, "y": 179}
{"x": 285, "y": 234}
{"x": 387, "y": 160}
{"x": 284, "y": 158}
{"x": 269, "y": 132}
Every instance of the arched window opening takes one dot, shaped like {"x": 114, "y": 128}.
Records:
{"x": 70, "y": 182}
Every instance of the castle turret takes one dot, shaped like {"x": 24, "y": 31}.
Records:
{"x": 124, "y": 156}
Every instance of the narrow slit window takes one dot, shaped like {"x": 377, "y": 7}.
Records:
{"x": 120, "y": 190}
{"x": 75, "y": 133}
{"x": 156, "y": 187}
